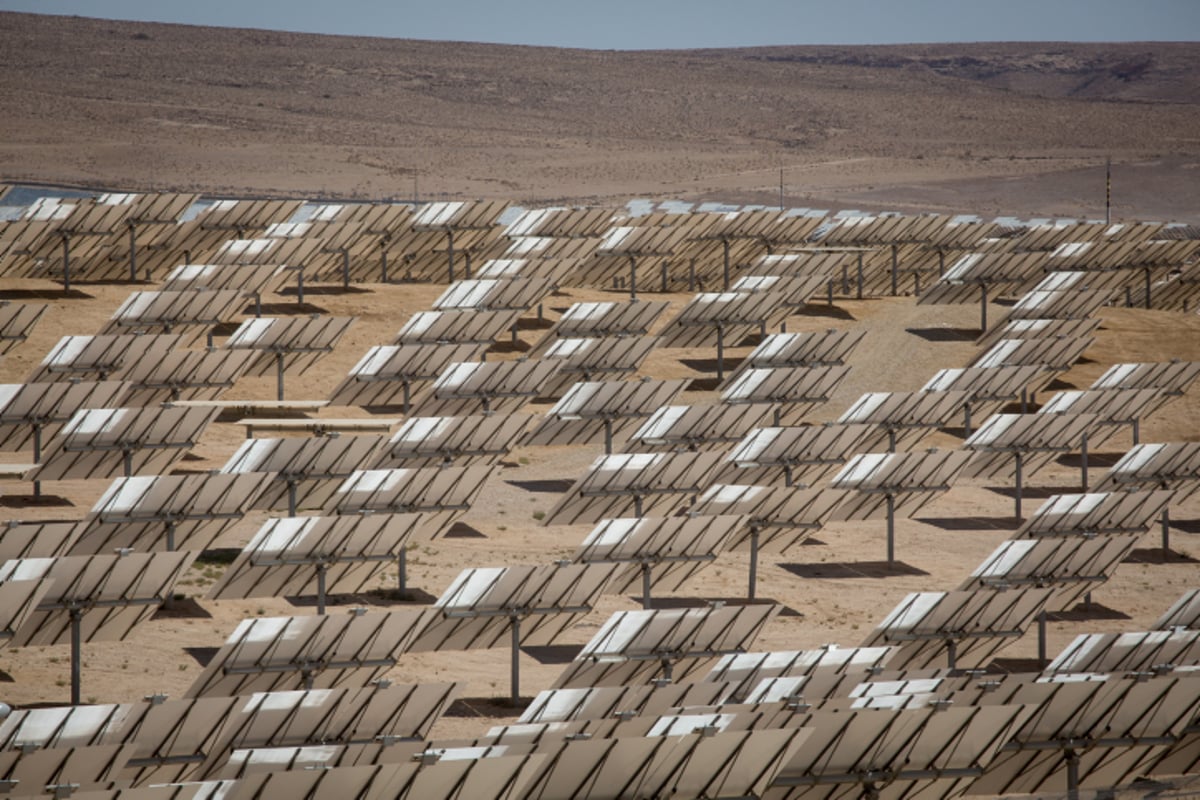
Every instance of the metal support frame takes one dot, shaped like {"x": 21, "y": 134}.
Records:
{"x": 891, "y": 531}
{"x": 66, "y": 256}
{"x": 725, "y": 263}
{"x": 133, "y": 251}
{"x": 753, "y": 580}
{"x": 983, "y": 301}
{"x": 280, "y": 358}
{"x": 720, "y": 351}
{"x": 1017, "y": 487}
{"x": 895, "y": 269}
{"x": 1041, "y": 639}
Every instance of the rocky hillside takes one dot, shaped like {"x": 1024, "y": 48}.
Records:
{"x": 157, "y": 106}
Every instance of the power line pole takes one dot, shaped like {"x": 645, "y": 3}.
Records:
{"x": 1108, "y": 191}
{"x": 781, "y": 187}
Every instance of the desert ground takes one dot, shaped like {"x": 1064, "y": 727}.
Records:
{"x": 1022, "y": 130}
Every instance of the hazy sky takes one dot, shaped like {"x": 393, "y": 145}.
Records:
{"x": 642, "y": 24}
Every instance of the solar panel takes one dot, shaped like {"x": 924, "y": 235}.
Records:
{"x": 466, "y": 388}
{"x": 77, "y": 240}
{"x": 830, "y": 348}
{"x": 892, "y": 484}
{"x": 906, "y": 417}
{"x": 457, "y": 326}
{"x": 184, "y": 375}
{"x": 195, "y": 739}
{"x": 287, "y": 343}
{"x": 18, "y": 599}
{"x": 989, "y": 388}
{"x": 603, "y": 411}
{"x": 1058, "y": 355}
{"x": 251, "y": 761}
{"x": 964, "y": 628}
{"x": 493, "y": 295}
{"x": 1170, "y": 465}
{"x": 1113, "y": 409}
{"x": 307, "y": 556}
{"x": 65, "y": 769}
{"x": 1072, "y": 567}
{"x": 433, "y": 441}
{"x": 624, "y": 247}
{"x": 717, "y": 318}
{"x": 255, "y": 280}
{"x": 168, "y": 512}
{"x": 434, "y": 775}
{"x": 16, "y": 321}
{"x": 793, "y": 455}
{"x": 1170, "y": 379}
{"x": 779, "y": 517}
{"x": 660, "y": 552}
{"x": 603, "y": 702}
{"x": 188, "y": 312}
{"x": 602, "y": 319}
{"x": 696, "y": 427}
{"x": 797, "y": 391}
{"x": 594, "y": 360}
{"x": 1016, "y": 444}
{"x": 1183, "y": 613}
{"x": 797, "y": 290}
{"x": 442, "y": 493}
{"x": 267, "y": 654}
{"x": 636, "y": 647}
{"x": 475, "y": 224}
{"x": 558, "y": 271}
{"x": 641, "y": 483}
{"x": 107, "y": 442}
{"x": 1088, "y": 734}
{"x": 151, "y": 223}
{"x": 978, "y": 273}
{"x": 691, "y": 764}
{"x": 914, "y": 753}
{"x": 1173, "y": 465}
{"x": 100, "y": 357}
{"x": 1095, "y": 514}
{"x": 32, "y": 413}
{"x": 1059, "y": 288}
{"x": 1069, "y": 329}
{"x": 742, "y": 672}
{"x": 38, "y": 539}
{"x": 390, "y": 373}
{"x": 1130, "y": 652}
{"x": 305, "y": 471}
{"x": 92, "y": 598}
{"x": 533, "y": 605}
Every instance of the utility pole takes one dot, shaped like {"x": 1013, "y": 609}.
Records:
{"x": 1108, "y": 191}
{"x": 781, "y": 187}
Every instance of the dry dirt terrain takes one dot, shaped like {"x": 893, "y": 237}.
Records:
{"x": 1017, "y": 129}
{"x": 985, "y": 128}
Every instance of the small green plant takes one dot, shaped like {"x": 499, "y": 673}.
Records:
{"x": 539, "y": 515}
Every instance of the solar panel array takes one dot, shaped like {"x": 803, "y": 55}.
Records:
{"x": 661, "y": 701}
